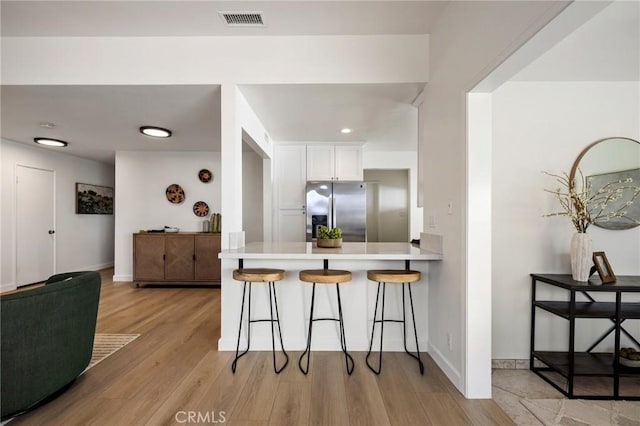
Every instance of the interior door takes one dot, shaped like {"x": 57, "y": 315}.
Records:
{"x": 35, "y": 225}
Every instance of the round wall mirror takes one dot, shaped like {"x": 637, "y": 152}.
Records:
{"x": 607, "y": 165}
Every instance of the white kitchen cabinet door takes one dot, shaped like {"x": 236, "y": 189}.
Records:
{"x": 320, "y": 162}
{"x": 291, "y": 226}
{"x": 291, "y": 176}
{"x": 348, "y": 162}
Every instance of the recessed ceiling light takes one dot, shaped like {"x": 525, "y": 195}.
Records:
{"x": 50, "y": 142}
{"x": 345, "y": 130}
{"x": 156, "y": 132}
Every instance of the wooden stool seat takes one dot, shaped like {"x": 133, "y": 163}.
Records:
{"x": 258, "y": 275}
{"x": 394, "y": 276}
{"x": 325, "y": 276}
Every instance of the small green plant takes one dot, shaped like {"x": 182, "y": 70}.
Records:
{"x": 325, "y": 233}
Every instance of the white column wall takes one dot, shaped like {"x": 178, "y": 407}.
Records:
{"x": 468, "y": 41}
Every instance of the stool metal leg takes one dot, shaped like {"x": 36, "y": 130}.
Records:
{"x": 381, "y": 321}
{"x": 307, "y": 351}
{"x": 343, "y": 339}
{"x": 272, "y": 287}
{"x": 415, "y": 331}
{"x": 235, "y": 361}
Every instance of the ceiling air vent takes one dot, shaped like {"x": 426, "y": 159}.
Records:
{"x": 243, "y": 19}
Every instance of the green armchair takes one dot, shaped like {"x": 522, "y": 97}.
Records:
{"x": 46, "y": 339}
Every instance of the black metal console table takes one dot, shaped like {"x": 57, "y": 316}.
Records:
{"x": 569, "y": 364}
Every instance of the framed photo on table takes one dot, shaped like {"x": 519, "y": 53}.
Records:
{"x": 603, "y": 267}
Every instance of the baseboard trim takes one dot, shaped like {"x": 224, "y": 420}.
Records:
{"x": 122, "y": 278}
{"x": 447, "y": 368}
{"x": 91, "y": 267}
{"x": 7, "y": 287}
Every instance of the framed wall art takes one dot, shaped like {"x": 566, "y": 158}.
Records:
{"x": 93, "y": 199}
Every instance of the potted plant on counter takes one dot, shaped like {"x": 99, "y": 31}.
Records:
{"x": 329, "y": 238}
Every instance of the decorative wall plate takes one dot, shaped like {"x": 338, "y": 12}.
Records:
{"x": 175, "y": 193}
{"x": 200, "y": 208}
{"x": 205, "y": 176}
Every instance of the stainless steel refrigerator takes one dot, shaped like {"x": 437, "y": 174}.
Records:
{"x": 342, "y": 204}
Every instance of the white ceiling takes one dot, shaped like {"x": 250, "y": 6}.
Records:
{"x": 308, "y": 113}
{"x": 99, "y": 120}
{"x": 605, "y": 48}
{"x": 201, "y": 18}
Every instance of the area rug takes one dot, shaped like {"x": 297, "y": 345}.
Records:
{"x": 108, "y": 344}
{"x": 578, "y": 412}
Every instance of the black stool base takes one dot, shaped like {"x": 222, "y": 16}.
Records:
{"x": 381, "y": 321}
{"x": 348, "y": 360}
{"x": 272, "y": 302}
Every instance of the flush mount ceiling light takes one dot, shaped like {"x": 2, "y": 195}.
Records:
{"x": 156, "y": 132}
{"x": 50, "y": 142}
{"x": 345, "y": 130}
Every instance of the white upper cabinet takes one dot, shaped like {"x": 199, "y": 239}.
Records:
{"x": 334, "y": 162}
{"x": 291, "y": 176}
{"x": 348, "y": 162}
{"x": 320, "y": 162}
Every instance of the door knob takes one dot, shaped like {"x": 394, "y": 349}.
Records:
{"x": 51, "y": 231}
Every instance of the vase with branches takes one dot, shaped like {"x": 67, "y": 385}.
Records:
{"x": 585, "y": 205}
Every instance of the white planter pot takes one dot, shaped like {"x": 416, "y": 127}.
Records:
{"x": 581, "y": 256}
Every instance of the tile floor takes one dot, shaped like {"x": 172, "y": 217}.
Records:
{"x": 530, "y": 401}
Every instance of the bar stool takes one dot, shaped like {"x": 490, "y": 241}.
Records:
{"x": 260, "y": 275}
{"x": 326, "y": 276}
{"x": 404, "y": 277}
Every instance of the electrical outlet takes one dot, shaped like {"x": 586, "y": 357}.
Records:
{"x": 450, "y": 207}
{"x": 432, "y": 221}
{"x": 449, "y": 342}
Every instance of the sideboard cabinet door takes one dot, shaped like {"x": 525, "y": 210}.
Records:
{"x": 148, "y": 257}
{"x": 179, "y": 257}
{"x": 207, "y": 264}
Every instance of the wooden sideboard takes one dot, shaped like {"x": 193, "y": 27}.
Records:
{"x": 177, "y": 258}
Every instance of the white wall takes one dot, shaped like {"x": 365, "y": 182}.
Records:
{"x": 468, "y": 41}
{"x": 388, "y": 212}
{"x": 252, "y": 204}
{"x": 544, "y": 126}
{"x": 400, "y": 160}
{"x": 215, "y": 60}
{"x": 140, "y": 201}
{"x": 83, "y": 242}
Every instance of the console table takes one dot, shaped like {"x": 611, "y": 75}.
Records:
{"x": 571, "y": 363}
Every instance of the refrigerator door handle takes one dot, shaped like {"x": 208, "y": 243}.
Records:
{"x": 332, "y": 223}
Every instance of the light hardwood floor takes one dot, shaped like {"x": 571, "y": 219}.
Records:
{"x": 173, "y": 370}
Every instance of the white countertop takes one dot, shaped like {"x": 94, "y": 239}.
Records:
{"x": 362, "y": 251}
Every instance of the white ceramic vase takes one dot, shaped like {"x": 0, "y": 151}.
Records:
{"x": 581, "y": 256}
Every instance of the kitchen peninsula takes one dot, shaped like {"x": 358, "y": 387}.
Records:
{"x": 294, "y": 296}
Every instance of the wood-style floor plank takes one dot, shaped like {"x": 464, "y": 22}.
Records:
{"x": 365, "y": 408}
{"x": 292, "y": 404}
{"x": 329, "y": 405}
{"x": 173, "y": 370}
